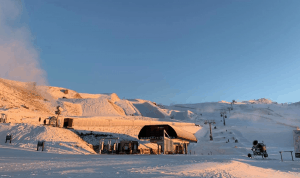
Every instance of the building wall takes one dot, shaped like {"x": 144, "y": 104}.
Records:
{"x": 86, "y": 122}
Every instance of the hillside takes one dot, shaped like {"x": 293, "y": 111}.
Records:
{"x": 24, "y": 103}
{"x": 18, "y": 95}
{"x": 26, "y": 136}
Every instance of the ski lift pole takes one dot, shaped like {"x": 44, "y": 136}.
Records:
{"x": 210, "y": 122}
{"x": 210, "y": 135}
{"x": 224, "y": 116}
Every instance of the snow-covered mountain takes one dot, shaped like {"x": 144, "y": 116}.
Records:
{"x": 261, "y": 119}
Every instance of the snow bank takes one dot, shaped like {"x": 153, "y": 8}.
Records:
{"x": 57, "y": 140}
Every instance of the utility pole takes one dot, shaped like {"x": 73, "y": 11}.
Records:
{"x": 210, "y": 122}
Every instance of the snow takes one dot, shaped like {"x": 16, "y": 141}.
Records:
{"x": 38, "y": 164}
{"x": 183, "y": 115}
{"x": 148, "y": 109}
{"x": 71, "y": 109}
{"x": 26, "y": 136}
{"x": 68, "y": 155}
{"x": 58, "y": 92}
{"x": 98, "y": 107}
{"x": 128, "y": 107}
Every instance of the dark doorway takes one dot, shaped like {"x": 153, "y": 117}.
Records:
{"x": 66, "y": 122}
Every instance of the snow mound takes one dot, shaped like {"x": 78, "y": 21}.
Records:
{"x": 101, "y": 106}
{"x": 114, "y": 97}
{"x": 128, "y": 107}
{"x": 96, "y": 105}
{"x": 148, "y": 109}
{"x": 183, "y": 115}
{"x": 57, "y": 140}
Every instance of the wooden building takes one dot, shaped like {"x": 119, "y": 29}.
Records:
{"x": 169, "y": 139}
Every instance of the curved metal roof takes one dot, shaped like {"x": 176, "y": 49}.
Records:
{"x": 156, "y": 132}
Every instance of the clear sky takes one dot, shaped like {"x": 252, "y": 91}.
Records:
{"x": 170, "y": 51}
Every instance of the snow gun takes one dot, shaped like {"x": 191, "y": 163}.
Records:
{"x": 258, "y": 149}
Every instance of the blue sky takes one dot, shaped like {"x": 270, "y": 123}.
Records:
{"x": 170, "y": 51}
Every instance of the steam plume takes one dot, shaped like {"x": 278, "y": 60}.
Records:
{"x": 19, "y": 60}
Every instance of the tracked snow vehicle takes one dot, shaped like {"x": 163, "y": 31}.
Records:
{"x": 259, "y": 149}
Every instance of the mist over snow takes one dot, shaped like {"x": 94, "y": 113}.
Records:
{"x": 19, "y": 58}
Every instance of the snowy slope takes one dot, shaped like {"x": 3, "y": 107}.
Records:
{"x": 99, "y": 107}
{"x": 26, "y": 136}
{"x": 128, "y": 107}
{"x": 19, "y": 95}
{"x": 55, "y": 93}
{"x": 223, "y": 157}
{"x": 148, "y": 109}
{"x": 271, "y": 123}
